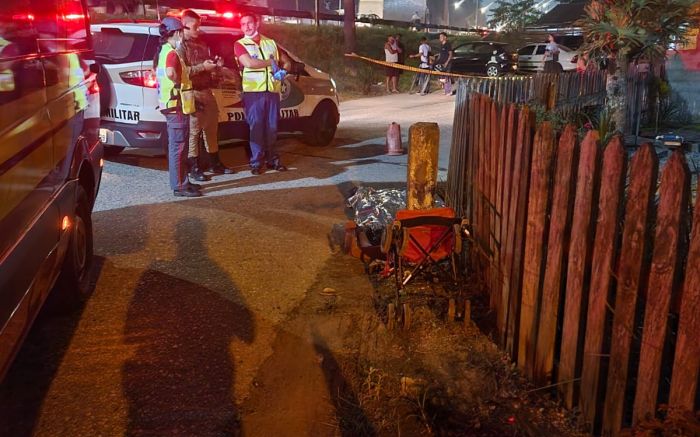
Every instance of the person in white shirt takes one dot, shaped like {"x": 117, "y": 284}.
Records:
{"x": 391, "y": 53}
{"x": 551, "y": 56}
{"x": 422, "y": 79}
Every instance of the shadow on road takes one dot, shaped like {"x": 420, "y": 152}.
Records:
{"x": 351, "y": 418}
{"x": 180, "y": 379}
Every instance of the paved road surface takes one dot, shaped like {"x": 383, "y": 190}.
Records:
{"x": 197, "y": 325}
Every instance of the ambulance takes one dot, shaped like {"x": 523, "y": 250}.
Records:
{"x": 50, "y": 161}
{"x": 130, "y": 114}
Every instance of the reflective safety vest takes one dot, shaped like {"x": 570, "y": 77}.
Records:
{"x": 169, "y": 94}
{"x": 260, "y": 79}
{"x": 7, "y": 77}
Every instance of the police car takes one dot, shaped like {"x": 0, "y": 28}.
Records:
{"x": 129, "y": 96}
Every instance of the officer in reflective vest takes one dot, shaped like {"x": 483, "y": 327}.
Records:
{"x": 175, "y": 101}
{"x": 260, "y": 59}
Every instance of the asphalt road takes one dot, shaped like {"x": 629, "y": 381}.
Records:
{"x": 190, "y": 295}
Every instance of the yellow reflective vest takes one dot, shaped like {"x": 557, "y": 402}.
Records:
{"x": 7, "y": 77}
{"x": 260, "y": 79}
{"x": 169, "y": 94}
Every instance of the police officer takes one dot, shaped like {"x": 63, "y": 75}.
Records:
{"x": 259, "y": 56}
{"x": 175, "y": 101}
{"x": 205, "y": 120}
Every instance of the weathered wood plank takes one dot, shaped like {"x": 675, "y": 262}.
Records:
{"x": 604, "y": 250}
{"x": 422, "y": 168}
{"x": 630, "y": 276}
{"x": 665, "y": 265}
{"x": 491, "y": 149}
{"x": 538, "y": 206}
{"x": 506, "y": 249}
{"x": 556, "y": 244}
{"x": 579, "y": 253}
{"x": 686, "y": 363}
{"x": 518, "y": 210}
{"x": 471, "y": 171}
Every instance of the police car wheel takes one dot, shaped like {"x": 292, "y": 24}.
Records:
{"x": 492, "y": 70}
{"x": 74, "y": 280}
{"x": 320, "y": 129}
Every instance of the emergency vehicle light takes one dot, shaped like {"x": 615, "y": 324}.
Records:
{"x": 23, "y": 17}
{"x": 144, "y": 78}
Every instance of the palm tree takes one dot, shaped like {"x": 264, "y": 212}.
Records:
{"x": 624, "y": 31}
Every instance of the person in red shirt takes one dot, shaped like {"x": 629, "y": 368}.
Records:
{"x": 170, "y": 75}
{"x": 260, "y": 61}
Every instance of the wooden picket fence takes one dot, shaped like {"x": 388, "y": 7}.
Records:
{"x": 593, "y": 273}
{"x": 568, "y": 91}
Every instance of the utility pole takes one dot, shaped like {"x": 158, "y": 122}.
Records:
{"x": 317, "y": 8}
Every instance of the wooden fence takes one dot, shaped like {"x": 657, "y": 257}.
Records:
{"x": 592, "y": 269}
{"x": 568, "y": 91}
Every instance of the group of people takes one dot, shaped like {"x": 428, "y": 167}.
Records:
{"x": 186, "y": 75}
{"x": 394, "y": 52}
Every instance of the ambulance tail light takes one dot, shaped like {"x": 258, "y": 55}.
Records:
{"x": 144, "y": 78}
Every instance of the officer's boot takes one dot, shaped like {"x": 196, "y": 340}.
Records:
{"x": 195, "y": 173}
{"x": 217, "y": 167}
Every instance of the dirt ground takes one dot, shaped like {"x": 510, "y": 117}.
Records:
{"x": 436, "y": 377}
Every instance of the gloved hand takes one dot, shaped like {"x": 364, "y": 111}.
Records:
{"x": 280, "y": 74}
{"x": 277, "y": 72}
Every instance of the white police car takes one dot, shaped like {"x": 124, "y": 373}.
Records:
{"x": 129, "y": 97}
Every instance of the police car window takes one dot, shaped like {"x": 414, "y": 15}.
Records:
{"x": 541, "y": 49}
{"x": 114, "y": 47}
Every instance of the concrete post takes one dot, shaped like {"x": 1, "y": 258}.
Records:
{"x": 424, "y": 140}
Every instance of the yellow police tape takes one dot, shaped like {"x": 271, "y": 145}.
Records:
{"x": 409, "y": 68}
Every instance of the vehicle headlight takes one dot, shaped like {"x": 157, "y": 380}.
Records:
{"x": 333, "y": 83}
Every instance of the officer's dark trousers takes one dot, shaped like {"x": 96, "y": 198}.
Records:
{"x": 178, "y": 138}
{"x": 262, "y": 112}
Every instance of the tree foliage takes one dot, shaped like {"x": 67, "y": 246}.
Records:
{"x": 633, "y": 29}
{"x": 513, "y": 17}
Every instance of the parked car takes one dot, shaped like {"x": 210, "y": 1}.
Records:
{"x": 50, "y": 161}
{"x": 484, "y": 57}
{"x": 531, "y": 58}
{"x": 130, "y": 116}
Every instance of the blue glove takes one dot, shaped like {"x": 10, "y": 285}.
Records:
{"x": 280, "y": 74}
{"x": 277, "y": 73}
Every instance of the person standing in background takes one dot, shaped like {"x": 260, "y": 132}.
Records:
{"x": 444, "y": 62}
{"x": 551, "y": 56}
{"x": 391, "y": 54}
{"x": 423, "y": 79}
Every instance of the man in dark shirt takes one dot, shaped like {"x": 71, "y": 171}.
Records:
{"x": 205, "y": 121}
{"x": 444, "y": 62}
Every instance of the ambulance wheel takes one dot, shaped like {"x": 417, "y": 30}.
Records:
{"x": 73, "y": 283}
{"x": 321, "y": 126}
